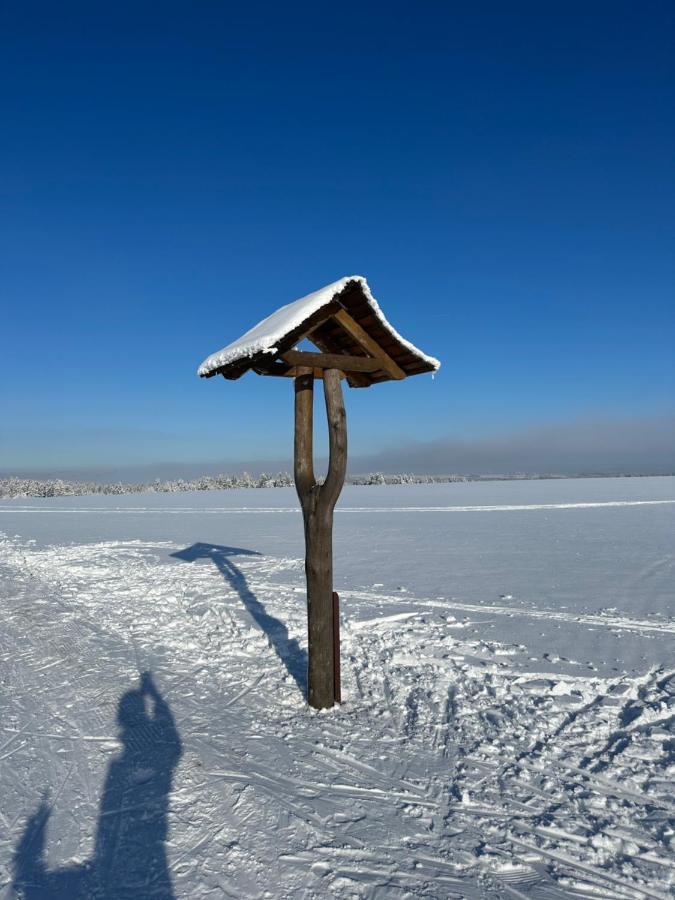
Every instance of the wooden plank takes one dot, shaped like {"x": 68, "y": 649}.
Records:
{"x": 293, "y": 372}
{"x": 332, "y": 361}
{"x": 352, "y": 327}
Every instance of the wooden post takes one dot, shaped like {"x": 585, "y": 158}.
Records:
{"x": 318, "y": 503}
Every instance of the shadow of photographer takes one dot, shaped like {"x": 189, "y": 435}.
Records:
{"x": 129, "y": 859}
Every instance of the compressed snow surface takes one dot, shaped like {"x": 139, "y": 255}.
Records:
{"x": 264, "y": 336}
{"x": 508, "y": 719}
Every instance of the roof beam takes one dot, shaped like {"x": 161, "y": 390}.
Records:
{"x": 354, "y": 379}
{"x": 283, "y": 369}
{"x": 352, "y": 327}
{"x": 297, "y": 370}
{"x": 332, "y": 361}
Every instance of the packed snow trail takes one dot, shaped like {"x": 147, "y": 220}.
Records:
{"x": 249, "y": 510}
{"x": 454, "y": 768}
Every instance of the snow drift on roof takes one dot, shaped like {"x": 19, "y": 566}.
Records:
{"x": 264, "y": 337}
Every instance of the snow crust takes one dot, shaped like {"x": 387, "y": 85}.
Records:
{"x": 264, "y": 336}
{"x": 507, "y": 727}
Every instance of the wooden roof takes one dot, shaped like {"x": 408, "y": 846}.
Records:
{"x": 345, "y": 324}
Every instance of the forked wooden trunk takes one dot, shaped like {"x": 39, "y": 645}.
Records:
{"x": 318, "y": 502}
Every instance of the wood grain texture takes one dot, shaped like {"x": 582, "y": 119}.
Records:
{"x": 337, "y": 439}
{"x": 332, "y": 361}
{"x": 284, "y": 370}
{"x": 303, "y": 451}
{"x": 352, "y": 327}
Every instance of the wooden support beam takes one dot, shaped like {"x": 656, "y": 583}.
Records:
{"x": 332, "y": 361}
{"x": 354, "y": 379}
{"x": 352, "y": 327}
{"x": 303, "y": 453}
{"x": 337, "y": 440}
{"x": 283, "y": 369}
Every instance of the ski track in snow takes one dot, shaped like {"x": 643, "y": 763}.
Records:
{"x": 606, "y": 619}
{"x": 235, "y": 510}
{"x": 447, "y": 771}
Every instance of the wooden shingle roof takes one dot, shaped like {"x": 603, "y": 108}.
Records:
{"x": 341, "y": 320}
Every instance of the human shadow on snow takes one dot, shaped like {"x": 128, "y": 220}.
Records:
{"x": 287, "y": 649}
{"x": 129, "y": 859}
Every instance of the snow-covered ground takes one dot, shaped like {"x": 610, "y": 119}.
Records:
{"x": 508, "y": 725}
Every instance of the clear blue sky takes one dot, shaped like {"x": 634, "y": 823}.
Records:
{"x": 171, "y": 173}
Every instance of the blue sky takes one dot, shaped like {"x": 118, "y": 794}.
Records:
{"x": 171, "y": 173}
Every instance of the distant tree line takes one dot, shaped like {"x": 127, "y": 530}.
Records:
{"x": 381, "y": 478}
{"x": 56, "y": 487}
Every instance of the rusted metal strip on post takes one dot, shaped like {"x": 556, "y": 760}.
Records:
{"x": 336, "y": 648}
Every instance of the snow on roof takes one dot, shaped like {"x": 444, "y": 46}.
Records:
{"x": 265, "y": 336}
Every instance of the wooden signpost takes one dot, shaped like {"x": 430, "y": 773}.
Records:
{"x": 354, "y": 343}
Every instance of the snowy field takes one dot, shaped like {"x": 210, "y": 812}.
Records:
{"x": 508, "y": 725}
